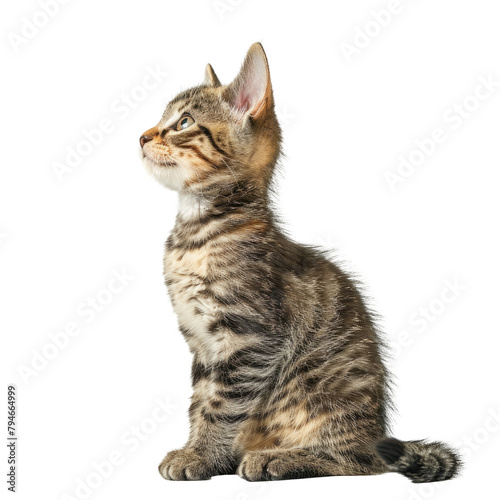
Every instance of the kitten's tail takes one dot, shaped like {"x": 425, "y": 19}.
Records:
{"x": 419, "y": 461}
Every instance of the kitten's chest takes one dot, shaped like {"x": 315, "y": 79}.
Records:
{"x": 188, "y": 276}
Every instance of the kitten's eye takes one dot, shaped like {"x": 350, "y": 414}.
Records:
{"x": 184, "y": 123}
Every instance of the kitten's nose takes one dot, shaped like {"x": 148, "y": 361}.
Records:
{"x": 144, "y": 139}
{"x": 149, "y": 135}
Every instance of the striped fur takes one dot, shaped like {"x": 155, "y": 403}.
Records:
{"x": 288, "y": 377}
{"x": 419, "y": 461}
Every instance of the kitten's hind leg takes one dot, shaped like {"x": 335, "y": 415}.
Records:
{"x": 293, "y": 463}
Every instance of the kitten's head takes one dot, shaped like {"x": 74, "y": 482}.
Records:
{"x": 214, "y": 135}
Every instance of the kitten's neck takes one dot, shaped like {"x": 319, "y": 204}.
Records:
{"x": 195, "y": 207}
{"x": 192, "y": 207}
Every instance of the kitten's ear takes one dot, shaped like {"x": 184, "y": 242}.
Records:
{"x": 251, "y": 90}
{"x": 211, "y": 77}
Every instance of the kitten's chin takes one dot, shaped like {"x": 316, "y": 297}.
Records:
{"x": 169, "y": 175}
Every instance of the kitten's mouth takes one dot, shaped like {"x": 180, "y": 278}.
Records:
{"x": 159, "y": 163}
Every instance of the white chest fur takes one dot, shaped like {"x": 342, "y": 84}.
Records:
{"x": 186, "y": 273}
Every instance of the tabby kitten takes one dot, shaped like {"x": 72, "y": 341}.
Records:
{"x": 287, "y": 372}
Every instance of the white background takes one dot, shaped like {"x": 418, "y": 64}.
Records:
{"x": 345, "y": 125}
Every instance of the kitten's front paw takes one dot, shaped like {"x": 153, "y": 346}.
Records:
{"x": 253, "y": 467}
{"x": 266, "y": 465}
{"x": 185, "y": 465}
